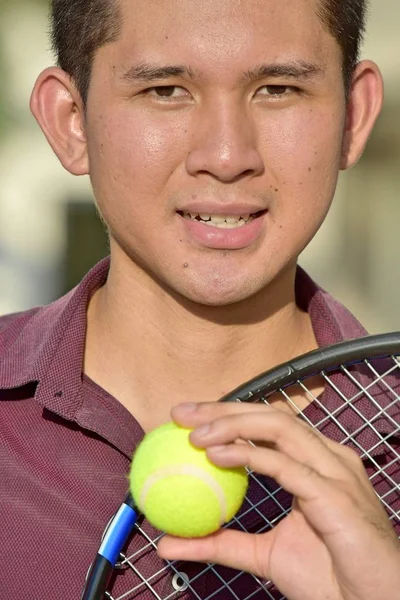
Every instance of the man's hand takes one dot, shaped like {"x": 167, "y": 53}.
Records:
{"x": 337, "y": 543}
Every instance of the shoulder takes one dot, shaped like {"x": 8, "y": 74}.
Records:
{"x": 340, "y": 316}
{"x": 28, "y": 340}
{"x": 38, "y": 319}
{"x": 16, "y": 325}
{"x": 15, "y": 321}
{"x": 43, "y": 339}
{"x": 23, "y": 334}
{"x": 332, "y": 321}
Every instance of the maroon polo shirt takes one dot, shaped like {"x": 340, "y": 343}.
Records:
{"x": 66, "y": 446}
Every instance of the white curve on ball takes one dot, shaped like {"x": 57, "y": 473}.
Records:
{"x": 193, "y": 471}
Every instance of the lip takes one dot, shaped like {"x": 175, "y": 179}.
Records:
{"x": 223, "y": 239}
{"x": 212, "y": 208}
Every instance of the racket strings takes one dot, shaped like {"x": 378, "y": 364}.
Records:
{"x": 382, "y": 429}
{"x": 359, "y": 407}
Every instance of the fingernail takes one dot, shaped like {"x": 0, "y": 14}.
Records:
{"x": 187, "y": 407}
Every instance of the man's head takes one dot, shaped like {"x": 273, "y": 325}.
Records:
{"x": 201, "y": 112}
{"x": 80, "y": 27}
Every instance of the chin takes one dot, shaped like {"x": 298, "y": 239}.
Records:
{"x": 216, "y": 301}
{"x": 217, "y": 287}
{"x": 221, "y": 295}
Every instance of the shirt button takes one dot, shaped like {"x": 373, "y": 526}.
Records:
{"x": 180, "y": 582}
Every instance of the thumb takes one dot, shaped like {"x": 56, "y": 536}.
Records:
{"x": 227, "y": 547}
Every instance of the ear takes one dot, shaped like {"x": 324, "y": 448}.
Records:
{"x": 58, "y": 108}
{"x": 364, "y": 105}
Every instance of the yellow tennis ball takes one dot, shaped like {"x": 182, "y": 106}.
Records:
{"x": 178, "y": 489}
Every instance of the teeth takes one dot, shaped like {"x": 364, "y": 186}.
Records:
{"x": 221, "y": 221}
{"x": 222, "y": 225}
{"x": 218, "y": 219}
{"x": 234, "y": 225}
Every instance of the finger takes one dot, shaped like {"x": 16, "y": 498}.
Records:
{"x": 327, "y": 505}
{"x": 344, "y": 516}
{"x": 193, "y": 415}
{"x": 235, "y": 549}
{"x": 280, "y": 431}
{"x": 295, "y": 477}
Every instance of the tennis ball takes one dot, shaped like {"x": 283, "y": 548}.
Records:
{"x": 178, "y": 489}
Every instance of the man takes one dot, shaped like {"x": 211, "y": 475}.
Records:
{"x": 213, "y": 134}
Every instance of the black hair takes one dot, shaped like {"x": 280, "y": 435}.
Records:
{"x": 80, "y": 27}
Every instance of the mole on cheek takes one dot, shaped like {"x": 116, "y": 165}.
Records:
{"x": 185, "y": 266}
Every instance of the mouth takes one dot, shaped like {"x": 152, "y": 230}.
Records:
{"x": 222, "y": 221}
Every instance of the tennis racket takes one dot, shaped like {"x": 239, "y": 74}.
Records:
{"x": 357, "y": 405}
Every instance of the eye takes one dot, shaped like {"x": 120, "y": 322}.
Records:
{"x": 277, "y": 91}
{"x": 166, "y": 91}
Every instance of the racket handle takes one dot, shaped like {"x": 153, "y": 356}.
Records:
{"x": 98, "y": 579}
{"x": 112, "y": 545}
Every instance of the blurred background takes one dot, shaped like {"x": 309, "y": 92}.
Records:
{"x": 50, "y": 234}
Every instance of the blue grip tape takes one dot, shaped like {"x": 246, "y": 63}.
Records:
{"x": 117, "y": 533}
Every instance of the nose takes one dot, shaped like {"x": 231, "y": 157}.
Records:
{"x": 224, "y": 144}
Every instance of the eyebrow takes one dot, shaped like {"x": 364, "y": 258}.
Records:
{"x": 300, "y": 70}
{"x": 147, "y": 72}
{"x": 295, "y": 70}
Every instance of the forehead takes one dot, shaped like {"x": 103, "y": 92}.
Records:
{"x": 212, "y": 33}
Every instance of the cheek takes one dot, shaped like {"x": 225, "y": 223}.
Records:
{"x": 133, "y": 157}
{"x": 304, "y": 159}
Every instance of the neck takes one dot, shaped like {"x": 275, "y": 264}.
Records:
{"x": 151, "y": 349}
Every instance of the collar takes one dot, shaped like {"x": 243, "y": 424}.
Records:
{"x": 39, "y": 343}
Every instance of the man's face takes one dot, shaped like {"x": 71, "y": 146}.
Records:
{"x": 219, "y": 110}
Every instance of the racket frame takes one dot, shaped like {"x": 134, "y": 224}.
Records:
{"x": 323, "y": 359}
